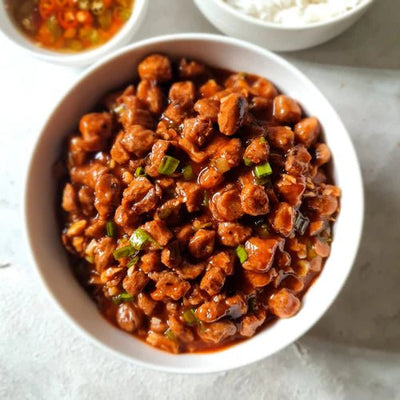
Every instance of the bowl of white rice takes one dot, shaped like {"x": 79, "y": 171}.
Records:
{"x": 283, "y": 25}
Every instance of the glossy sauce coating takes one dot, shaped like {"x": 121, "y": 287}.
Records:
{"x": 197, "y": 205}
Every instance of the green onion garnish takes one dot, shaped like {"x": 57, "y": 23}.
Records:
{"x": 140, "y": 172}
{"x": 190, "y": 317}
{"x": 203, "y": 226}
{"x": 123, "y": 252}
{"x": 263, "y": 170}
{"x": 187, "y": 172}
{"x": 311, "y": 253}
{"x": 247, "y": 162}
{"x": 168, "y": 165}
{"x": 170, "y": 335}
{"x": 252, "y": 303}
{"x": 90, "y": 259}
{"x": 139, "y": 238}
{"x": 122, "y": 297}
{"x": 301, "y": 223}
{"x": 120, "y": 108}
{"x": 262, "y": 139}
{"x": 110, "y": 228}
{"x": 241, "y": 253}
{"x": 133, "y": 261}
{"x": 263, "y": 231}
{"x": 205, "y": 199}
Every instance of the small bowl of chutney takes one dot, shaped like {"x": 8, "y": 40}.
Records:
{"x": 71, "y": 32}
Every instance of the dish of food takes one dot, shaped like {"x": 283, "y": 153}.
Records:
{"x": 292, "y": 12}
{"x": 198, "y": 205}
{"x": 283, "y": 25}
{"x": 69, "y": 25}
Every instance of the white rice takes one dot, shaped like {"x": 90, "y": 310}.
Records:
{"x": 294, "y": 12}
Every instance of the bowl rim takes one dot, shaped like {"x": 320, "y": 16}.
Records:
{"x": 28, "y": 232}
{"x": 256, "y": 21}
{"x": 80, "y": 58}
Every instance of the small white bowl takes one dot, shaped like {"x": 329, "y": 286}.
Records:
{"x": 273, "y": 36}
{"x": 78, "y": 59}
{"x": 43, "y": 232}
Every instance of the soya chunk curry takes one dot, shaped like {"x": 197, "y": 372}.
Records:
{"x": 197, "y": 205}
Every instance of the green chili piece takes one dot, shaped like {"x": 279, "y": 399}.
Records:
{"x": 123, "y": 252}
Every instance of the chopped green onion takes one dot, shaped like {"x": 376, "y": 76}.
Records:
{"x": 263, "y": 181}
{"x": 140, "y": 172}
{"x": 205, "y": 199}
{"x": 120, "y": 108}
{"x": 301, "y": 223}
{"x": 187, "y": 172}
{"x": 201, "y": 327}
{"x": 263, "y": 170}
{"x": 311, "y": 253}
{"x": 263, "y": 231}
{"x": 122, "y": 297}
{"x": 90, "y": 259}
{"x": 203, "y": 226}
{"x": 241, "y": 253}
{"x": 190, "y": 317}
{"x": 123, "y": 252}
{"x": 110, "y": 228}
{"x": 54, "y": 28}
{"x": 170, "y": 335}
{"x": 133, "y": 261}
{"x": 168, "y": 165}
{"x": 140, "y": 237}
{"x": 221, "y": 165}
{"x": 262, "y": 139}
{"x": 123, "y": 13}
{"x": 84, "y": 4}
{"x": 74, "y": 44}
{"x": 247, "y": 162}
{"x": 252, "y": 304}
{"x": 243, "y": 74}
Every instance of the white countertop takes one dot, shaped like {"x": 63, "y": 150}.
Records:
{"x": 352, "y": 353}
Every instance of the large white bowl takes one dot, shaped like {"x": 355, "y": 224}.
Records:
{"x": 9, "y": 29}
{"x": 273, "y": 36}
{"x": 43, "y": 232}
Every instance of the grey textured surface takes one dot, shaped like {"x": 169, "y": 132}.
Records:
{"x": 352, "y": 353}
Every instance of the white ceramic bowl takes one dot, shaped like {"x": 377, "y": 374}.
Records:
{"x": 43, "y": 232}
{"x": 273, "y": 36}
{"x": 9, "y": 29}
